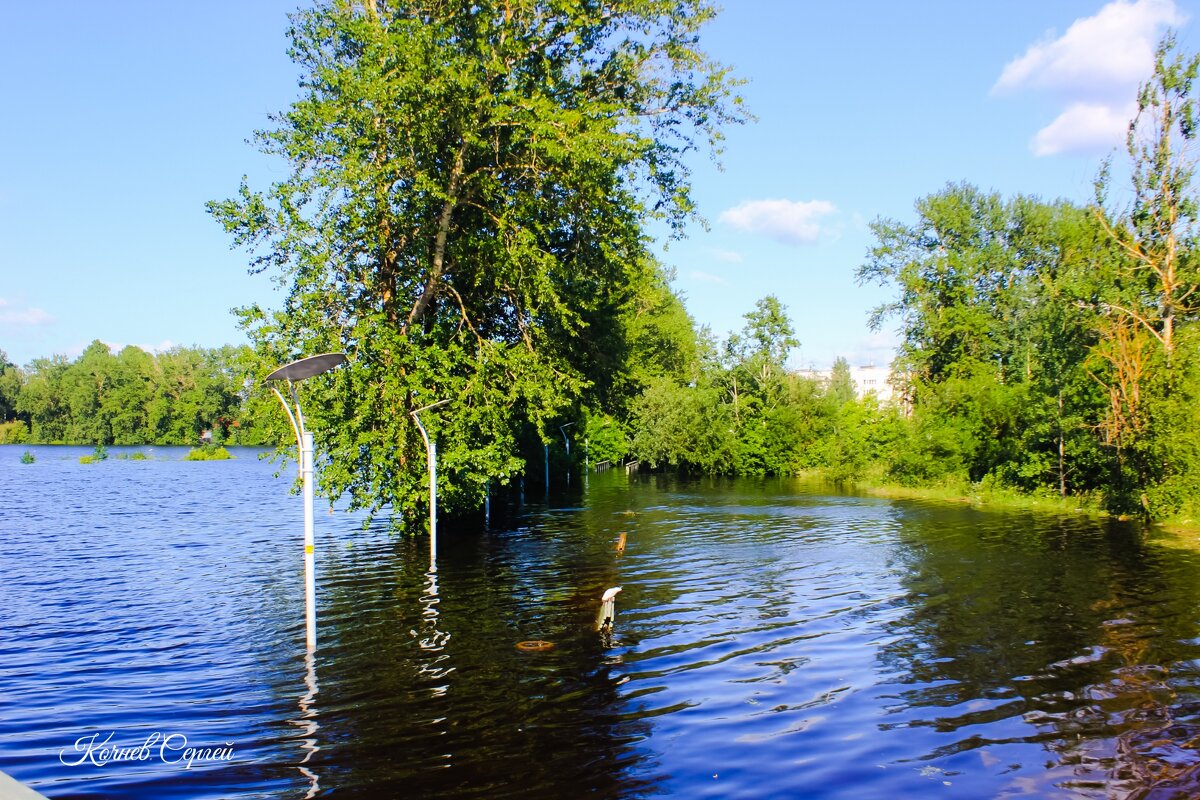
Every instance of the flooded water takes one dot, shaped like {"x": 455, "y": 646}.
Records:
{"x": 772, "y": 640}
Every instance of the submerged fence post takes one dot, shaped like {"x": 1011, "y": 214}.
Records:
{"x": 608, "y": 610}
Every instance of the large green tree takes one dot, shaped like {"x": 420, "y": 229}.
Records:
{"x": 465, "y": 218}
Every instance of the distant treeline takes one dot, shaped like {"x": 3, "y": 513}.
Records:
{"x": 133, "y": 397}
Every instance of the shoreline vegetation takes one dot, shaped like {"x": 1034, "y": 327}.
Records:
{"x": 1000, "y": 499}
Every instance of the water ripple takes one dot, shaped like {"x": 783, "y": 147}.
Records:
{"x": 772, "y": 640}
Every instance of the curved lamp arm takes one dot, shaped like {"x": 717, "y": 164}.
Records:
{"x": 291, "y": 416}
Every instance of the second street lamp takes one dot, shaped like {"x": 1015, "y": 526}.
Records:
{"x": 431, "y": 455}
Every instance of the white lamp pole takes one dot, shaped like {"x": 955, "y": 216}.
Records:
{"x": 431, "y": 455}
{"x": 563, "y": 430}
{"x": 298, "y": 371}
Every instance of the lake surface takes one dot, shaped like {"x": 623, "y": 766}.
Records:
{"x": 772, "y": 640}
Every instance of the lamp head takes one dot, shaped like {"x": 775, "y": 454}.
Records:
{"x": 307, "y": 367}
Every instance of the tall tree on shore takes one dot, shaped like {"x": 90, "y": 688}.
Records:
{"x": 464, "y": 216}
{"x": 1154, "y": 292}
{"x": 1158, "y": 231}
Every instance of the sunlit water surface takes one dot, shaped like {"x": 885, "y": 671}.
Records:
{"x": 773, "y": 640}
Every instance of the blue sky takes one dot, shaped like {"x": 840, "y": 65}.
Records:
{"x": 122, "y": 119}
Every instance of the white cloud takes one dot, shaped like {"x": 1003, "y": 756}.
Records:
{"x": 1084, "y": 128}
{"x": 15, "y": 317}
{"x": 1101, "y": 55}
{"x": 877, "y": 347}
{"x": 1096, "y": 67}
{"x": 728, "y": 256}
{"x": 705, "y": 277}
{"x": 787, "y": 221}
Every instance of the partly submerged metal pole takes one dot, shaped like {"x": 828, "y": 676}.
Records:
{"x": 433, "y": 505}
{"x": 431, "y": 455}
{"x": 563, "y": 430}
{"x": 310, "y": 576}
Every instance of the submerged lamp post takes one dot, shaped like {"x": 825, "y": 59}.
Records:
{"x": 431, "y": 454}
{"x": 293, "y": 373}
{"x": 563, "y": 430}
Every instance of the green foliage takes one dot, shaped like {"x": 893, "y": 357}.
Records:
{"x": 464, "y": 218}
{"x": 1050, "y": 348}
{"x": 746, "y": 414}
{"x": 208, "y": 452}
{"x": 14, "y": 432}
{"x": 684, "y": 427}
{"x": 1047, "y": 350}
{"x": 1146, "y": 309}
{"x": 27, "y": 457}
{"x": 139, "y": 398}
{"x": 10, "y": 385}
{"x": 98, "y": 455}
{"x": 606, "y": 439}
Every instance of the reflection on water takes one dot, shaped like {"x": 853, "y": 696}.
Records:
{"x": 771, "y": 640}
{"x": 307, "y": 723}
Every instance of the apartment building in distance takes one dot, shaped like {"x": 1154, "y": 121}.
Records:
{"x": 867, "y": 380}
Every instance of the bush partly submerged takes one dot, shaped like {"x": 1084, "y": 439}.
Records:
{"x": 207, "y": 452}
{"x": 99, "y": 454}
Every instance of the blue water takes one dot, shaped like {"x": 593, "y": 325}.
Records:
{"x": 773, "y": 639}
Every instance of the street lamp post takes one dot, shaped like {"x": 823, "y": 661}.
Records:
{"x": 563, "y": 430}
{"x": 293, "y": 373}
{"x": 431, "y": 455}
